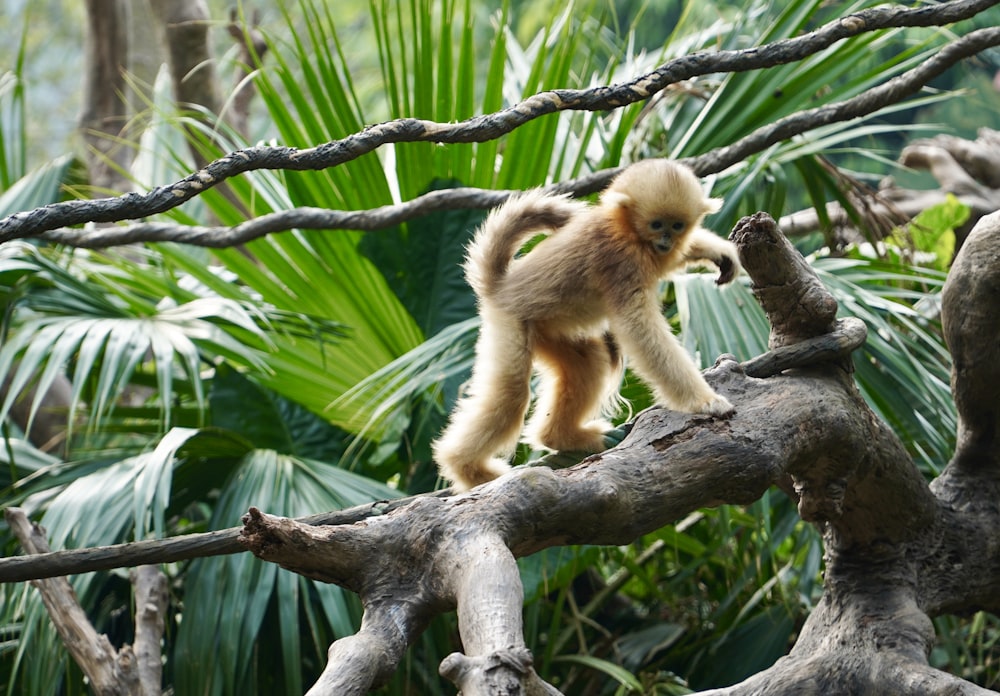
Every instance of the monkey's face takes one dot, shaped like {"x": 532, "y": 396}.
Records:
{"x": 663, "y": 201}
{"x": 667, "y": 220}
{"x": 665, "y": 231}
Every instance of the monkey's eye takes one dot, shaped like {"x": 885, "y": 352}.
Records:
{"x": 656, "y": 225}
{"x": 678, "y": 226}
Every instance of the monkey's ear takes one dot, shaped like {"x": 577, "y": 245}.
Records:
{"x": 713, "y": 205}
{"x": 616, "y": 198}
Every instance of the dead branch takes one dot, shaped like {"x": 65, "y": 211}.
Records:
{"x": 889, "y": 538}
{"x": 962, "y": 168}
{"x": 152, "y": 552}
{"x": 108, "y": 672}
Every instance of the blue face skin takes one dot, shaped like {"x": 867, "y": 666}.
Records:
{"x": 667, "y": 232}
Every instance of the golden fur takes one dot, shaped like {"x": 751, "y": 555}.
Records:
{"x": 564, "y": 307}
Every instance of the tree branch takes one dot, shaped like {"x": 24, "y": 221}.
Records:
{"x": 845, "y": 337}
{"x": 491, "y": 126}
{"x": 850, "y": 474}
{"x": 111, "y": 673}
{"x": 182, "y": 548}
{"x": 890, "y": 541}
{"x": 150, "y": 614}
{"x": 963, "y": 168}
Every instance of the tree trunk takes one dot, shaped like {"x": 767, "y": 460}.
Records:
{"x": 105, "y": 108}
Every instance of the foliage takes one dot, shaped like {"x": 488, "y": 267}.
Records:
{"x": 929, "y": 239}
{"x": 209, "y": 381}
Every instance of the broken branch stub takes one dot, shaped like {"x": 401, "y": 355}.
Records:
{"x": 796, "y": 303}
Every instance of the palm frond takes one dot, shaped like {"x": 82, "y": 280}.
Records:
{"x": 37, "y": 188}
{"x": 216, "y": 651}
{"x": 103, "y": 334}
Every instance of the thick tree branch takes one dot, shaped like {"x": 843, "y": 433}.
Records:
{"x": 971, "y": 326}
{"x": 846, "y": 336}
{"x": 491, "y": 126}
{"x": 808, "y": 428}
{"x": 969, "y": 487}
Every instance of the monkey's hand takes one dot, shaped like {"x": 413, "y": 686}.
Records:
{"x": 729, "y": 266}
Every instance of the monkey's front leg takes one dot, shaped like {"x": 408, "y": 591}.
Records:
{"x": 661, "y": 361}
{"x": 706, "y": 246}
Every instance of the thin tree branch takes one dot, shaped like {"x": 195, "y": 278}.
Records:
{"x": 219, "y": 543}
{"x": 865, "y": 103}
{"x": 150, "y": 616}
{"x": 491, "y": 126}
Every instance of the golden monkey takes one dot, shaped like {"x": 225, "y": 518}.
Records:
{"x": 564, "y": 308}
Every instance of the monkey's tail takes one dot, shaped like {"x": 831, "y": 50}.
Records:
{"x": 507, "y": 228}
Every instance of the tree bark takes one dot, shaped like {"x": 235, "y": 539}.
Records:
{"x": 898, "y": 551}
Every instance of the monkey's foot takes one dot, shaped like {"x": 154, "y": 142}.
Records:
{"x": 711, "y": 404}
{"x": 470, "y": 475}
{"x": 588, "y": 438}
{"x": 716, "y": 406}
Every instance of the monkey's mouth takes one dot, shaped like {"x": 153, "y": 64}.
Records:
{"x": 663, "y": 244}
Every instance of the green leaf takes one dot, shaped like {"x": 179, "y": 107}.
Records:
{"x": 270, "y": 421}
{"x": 552, "y": 569}
{"x": 610, "y": 669}
{"x": 718, "y": 320}
{"x": 751, "y": 648}
{"x": 933, "y": 232}
{"x": 423, "y": 265}
{"x": 220, "y": 629}
{"x": 37, "y": 188}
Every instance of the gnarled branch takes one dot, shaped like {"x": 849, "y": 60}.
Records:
{"x": 888, "y": 537}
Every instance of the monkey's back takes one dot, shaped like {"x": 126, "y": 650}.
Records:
{"x": 556, "y": 283}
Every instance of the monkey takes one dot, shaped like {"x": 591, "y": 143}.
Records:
{"x": 588, "y": 291}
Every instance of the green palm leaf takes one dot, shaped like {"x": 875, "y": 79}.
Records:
{"x": 105, "y": 334}
{"x": 215, "y": 650}
{"x": 132, "y": 496}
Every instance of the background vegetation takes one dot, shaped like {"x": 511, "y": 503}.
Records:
{"x": 309, "y": 371}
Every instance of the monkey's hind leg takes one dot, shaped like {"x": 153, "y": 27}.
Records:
{"x": 487, "y": 421}
{"x": 577, "y": 375}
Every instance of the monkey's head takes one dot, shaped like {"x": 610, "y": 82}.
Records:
{"x": 663, "y": 201}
